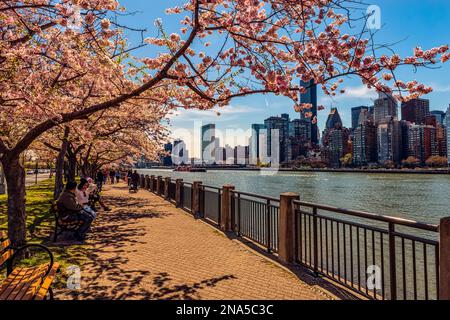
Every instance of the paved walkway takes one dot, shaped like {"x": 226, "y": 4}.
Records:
{"x": 147, "y": 249}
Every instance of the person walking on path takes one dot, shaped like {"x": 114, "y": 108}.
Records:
{"x": 112, "y": 176}
{"x": 118, "y": 176}
{"x": 100, "y": 179}
{"x": 129, "y": 175}
{"x": 135, "y": 179}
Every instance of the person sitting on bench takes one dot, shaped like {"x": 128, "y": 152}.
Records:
{"x": 94, "y": 196}
{"x": 70, "y": 209}
{"x": 83, "y": 197}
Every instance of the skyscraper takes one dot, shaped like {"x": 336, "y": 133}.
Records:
{"x": 422, "y": 142}
{"x": 208, "y": 143}
{"x": 356, "y": 115}
{"x": 258, "y": 134}
{"x": 278, "y": 138}
{"x": 310, "y": 96}
{"x": 439, "y": 115}
{"x": 167, "y": 159}
{"x": 389, "y": 141}
{"x": 334, "y": 119}
{"x": 365, "y": 144}
{"x": 386, "y": 107}
{"x": 416, "y": 110}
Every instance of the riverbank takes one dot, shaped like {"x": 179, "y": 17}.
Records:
{"x": 374, "y": 171}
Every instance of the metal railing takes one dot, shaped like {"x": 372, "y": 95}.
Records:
{"x": 187, "y": 196}
{"x": 211, "y": 202}
{"x": 257, "y": 218}
{"x": 172, "y": 190}
{"x": 376, "y": 256}
{"x": 386, "y": 258}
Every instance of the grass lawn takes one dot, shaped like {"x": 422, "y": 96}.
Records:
{"x": 40, "y": 228}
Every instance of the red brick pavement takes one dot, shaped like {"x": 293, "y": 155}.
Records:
{"x": 147, "y": 249}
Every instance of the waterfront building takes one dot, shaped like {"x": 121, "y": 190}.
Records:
{"x": 257, "y": 143}
{"x": 441, "y": 135}
{"x": 300, "y": 138}
{"x": 422, "y": 142}
{"x": 278, "y": 139}
{"x": 359, "y": 116}
{"x": 365, "y": 144}
{"x": 208, "y": 144}
{"x": 310, "y": 96}
{"x": 167, "y": 158}
{"x": 336, "y": 145}
{"x": 389, "y": 140}
{"x": 416, "y": 110}
{"x": 386, "y": 107}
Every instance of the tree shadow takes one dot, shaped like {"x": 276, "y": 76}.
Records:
{"x": 302, "y": 273}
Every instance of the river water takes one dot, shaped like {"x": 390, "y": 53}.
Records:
{"x": 424, "y": 198}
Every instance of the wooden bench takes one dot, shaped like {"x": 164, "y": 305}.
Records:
{"x": 61, "y": 224}
{"x": 26, "y": 283}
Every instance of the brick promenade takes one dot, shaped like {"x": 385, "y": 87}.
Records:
{"x": 147, "y": 249}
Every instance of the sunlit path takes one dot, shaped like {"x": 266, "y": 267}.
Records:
{"x": 147, "y": 249}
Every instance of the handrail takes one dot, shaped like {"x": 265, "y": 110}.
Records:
{"x": 372, "y": 216}
{"x": 255, "y": 196}
{"x": 210, "y": 187}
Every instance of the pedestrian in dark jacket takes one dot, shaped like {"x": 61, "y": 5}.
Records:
{"x": 99, "y": 179}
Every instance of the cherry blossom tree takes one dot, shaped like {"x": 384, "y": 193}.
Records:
{"x": 52, "y": 74}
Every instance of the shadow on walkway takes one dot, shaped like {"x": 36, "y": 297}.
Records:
{"x": 111, "y": 238}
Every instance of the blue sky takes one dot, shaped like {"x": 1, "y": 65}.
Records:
{"x": 412, "y": 23}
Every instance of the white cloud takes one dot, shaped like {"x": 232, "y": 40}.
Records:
{"x": 216, "y": 113}
{"x": 440, "y": 88}
{"x": 351, "y": 93}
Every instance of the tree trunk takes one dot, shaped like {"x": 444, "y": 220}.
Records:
{"x": 72, "y": 165}
{"x": 59, "y": 175}
{"x": 15, "y": 180}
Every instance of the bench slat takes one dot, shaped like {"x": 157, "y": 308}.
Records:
{"x": 32, "y": 284}
{"x": 4, "y": 245}
{"x": 47, "y": 282}
{"x": 5, "y": 256}
{"x": 10, "y": 284}
{"x": 23, "y": 283}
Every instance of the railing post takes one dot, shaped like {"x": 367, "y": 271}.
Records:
{"x": 226, "y": 212}
{"x": 392, "y": 261}
{"x": 166, "y": 188}
{"x": 444, "y": 259}
{"x": 196, "y": 188}
{"x": 147, "y": 182}
{"x": 158, "y": 185}
{"x": 178, "y": 193}
{"x": 287, "y": 227}
{"x": 142, "y": 181}
{"x": 152, "y": 183}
